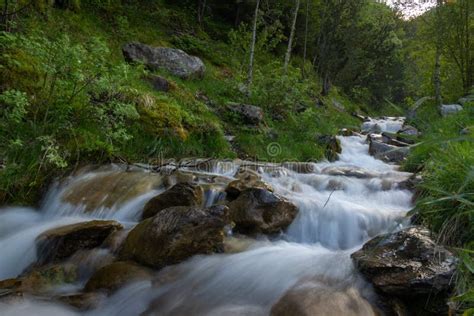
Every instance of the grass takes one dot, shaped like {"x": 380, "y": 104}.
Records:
{"x": 445, "y": 204}
{"x": 188, "y": 121}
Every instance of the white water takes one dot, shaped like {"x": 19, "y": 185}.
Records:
{"x": 341, "y": 205}
{"x": 387, "y": 124}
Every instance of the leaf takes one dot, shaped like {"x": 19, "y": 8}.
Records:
{"x": 466, "y": 297}
{"x": 469, "y": 312}
{"x": 467, "y": 261}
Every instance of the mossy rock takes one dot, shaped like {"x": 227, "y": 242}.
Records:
{"x": 332, "y": 146}
{"x": 40, "y": 281}
{"x": 110, "y": 189}
{"x": 261, "y": 211}
{"x": 246, "y": 179}
{"x": 60, "y": 243}
{"x": 175, "y": 234}
{"x": 181, "y": 194}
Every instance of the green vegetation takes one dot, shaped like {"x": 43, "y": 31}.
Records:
{"x": 445, "y": 204}
{"x": 68, "y": 98}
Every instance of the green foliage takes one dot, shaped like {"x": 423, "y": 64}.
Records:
{"x": 69, "y": 105}
{"x": 448, "y": 188}
{"x": 268, "y": 38}
{"x": 446, "y": 195}
{"x": 280, "y": 93}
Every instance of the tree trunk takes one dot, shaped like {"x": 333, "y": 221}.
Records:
{"x": 437, "y": 77}
{"x": 305, "y": 38}
{"x": 237, "y": 14}
{"x": 292, "y": 35}
{"x": 201, "y": 11}
{"x": 326, "y": 85}
{"x": 469, "y": 73}
{"x": 252, "y": 46}
{"x": 5, "y": 16}
{"x": 437, "y": 68}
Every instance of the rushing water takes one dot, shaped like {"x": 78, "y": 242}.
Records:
{"x": 341, "y": 205}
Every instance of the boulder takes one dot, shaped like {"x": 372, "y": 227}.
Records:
{"x": 159, "y": 83}
{"x": 173, "y": 60}
{"x": 110, "y": 189}
{"x": 355, "y": 172}
{"x": 332, "y": 146}
{"x": 408, "y": 134}
{"x": 10, "y": 287}
{"x": 388, "y": 153}
{"x": 391, "y": 139}
{"x": 466, "y": 99}
{"x": 308, "y": 299}
{"x": 261, "y": 211}
{"x": 40, "y": 281}
{"x": 250, "y": 114}
{"x": 346, "y": 132}
{"x": 181, "y": 194}
{"x": 448, "y": 109}
{"x": 467, "y": 131}
{"x": 175, "y": 234}
{"x": 61, "y": 243}
{"x": 370, "y": 127}
{"x": 373, "y": 137}
{"x": 409, "y": 265}
{"x": 116, "y": 275}
{"x": 246, "y": 179}
{"x": 411, "y": 183}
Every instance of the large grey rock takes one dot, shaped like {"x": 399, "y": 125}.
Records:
{"x": 176, "y": 61}
{"x": 388, "y": 153}
{"x": 448, "y": 109}
{"x": 261, "y": 211}
{"x": 250, "y": 114}
{"x": 355, "y": 172}
{"x": 175, "y": 234}
{"x": 409, "y": 265}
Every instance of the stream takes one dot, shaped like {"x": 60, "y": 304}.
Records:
{"x": 341, "y": 205}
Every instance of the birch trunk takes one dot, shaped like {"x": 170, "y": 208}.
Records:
{"x": 305, "y": 38}
{"x": 252, "y": 45}
{"x": 437, "y": 68}
{"x": 292, "y": 35}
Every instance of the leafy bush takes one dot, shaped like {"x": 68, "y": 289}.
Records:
{"x": 279, "y": 93}
{"x": 70, "y": 104}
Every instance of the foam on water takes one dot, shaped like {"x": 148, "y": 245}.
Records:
{"x": 341, "y": 205}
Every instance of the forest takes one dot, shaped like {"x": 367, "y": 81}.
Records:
{"x": 268, "y": 81}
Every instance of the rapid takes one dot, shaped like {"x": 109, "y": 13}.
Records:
{"x": 341, "y": 205}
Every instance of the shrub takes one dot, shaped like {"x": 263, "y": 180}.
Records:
{"x": 69, "y": 105}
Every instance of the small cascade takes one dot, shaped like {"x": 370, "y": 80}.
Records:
{"x": 341, "y": 205}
